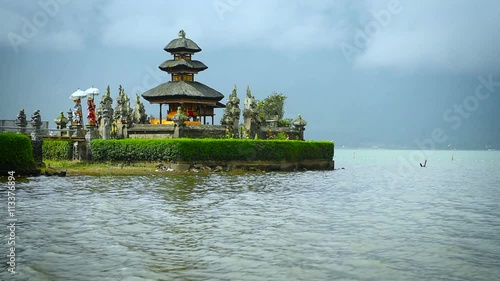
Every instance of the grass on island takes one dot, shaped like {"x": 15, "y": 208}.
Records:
{"x": 103, "y": 169}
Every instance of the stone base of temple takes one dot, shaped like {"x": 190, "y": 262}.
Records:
{"x": 218, "y": 166}
{"x": 168, "y": 131}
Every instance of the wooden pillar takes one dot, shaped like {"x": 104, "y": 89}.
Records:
{"x": 160, "y": 113}
{"x": 204, "y": 115}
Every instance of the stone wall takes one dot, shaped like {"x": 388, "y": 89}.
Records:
{"x": 315, "y": 165}
{"x": 167, "y": 131}
{"x": 203, "y": 131}
{"x": 11, "y": 126}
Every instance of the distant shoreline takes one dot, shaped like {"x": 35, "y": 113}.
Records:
{"x": 409, "y": 149}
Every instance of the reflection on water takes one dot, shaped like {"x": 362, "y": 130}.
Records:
{"x": 439, "y": 223}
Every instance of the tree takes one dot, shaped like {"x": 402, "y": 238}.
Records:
{"x": 273, "y": 106}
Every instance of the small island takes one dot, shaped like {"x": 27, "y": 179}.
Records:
{"x": 185, "y": 138}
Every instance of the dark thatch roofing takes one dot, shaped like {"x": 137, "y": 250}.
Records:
{"x": 182, "y": 44}
{"x": 182, "y": 89}
{"x": 182, "y": 64}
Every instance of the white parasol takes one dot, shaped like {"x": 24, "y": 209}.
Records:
{"x": 92, "y": 91}
{"x": 78, "y": 94}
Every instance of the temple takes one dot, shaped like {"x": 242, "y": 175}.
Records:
{"x": 196, "y": 100}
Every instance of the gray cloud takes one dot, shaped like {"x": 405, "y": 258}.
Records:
{"x": 426, "y": 59}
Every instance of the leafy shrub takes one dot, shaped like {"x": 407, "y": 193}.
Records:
{"x": 210, "y": 149}
{"x": 16, "y": 152}
{"x": 57, "y": 150}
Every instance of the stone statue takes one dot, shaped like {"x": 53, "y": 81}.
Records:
{"x": 105, "y": 114}
{"x": 70, "y": 117}
{"x": 139, "y": 114}
{"x": 21, "y": 121}
{"x": 231, "y": 117}
{"x": 300, "y": 125}
{"x": 36, "y": 119}
{"x": 77, "y": 115}
{"x": 182, "y": 33}
{"x": 251, "y": 114}
{"x": 119, "y": 104}
{"x": 36, "y": 137}
{"x": 106, "y": 102}
{"x": 61, "y": 122}
{"x": 179, "y": 118}
{"x": 122, "y": 114}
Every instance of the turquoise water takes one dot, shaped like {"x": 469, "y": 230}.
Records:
{"x": 383, "y": 217}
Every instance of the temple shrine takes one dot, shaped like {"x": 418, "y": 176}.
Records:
{"x": 196, "y": 100}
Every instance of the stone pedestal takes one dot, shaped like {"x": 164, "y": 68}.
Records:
{"x": 78, "y": 132}
{"x": 36, "y": 138}
{"x": 179, "y": 118}
{"x": 91, "y": 133}
{"x": 37, "y": 143}
{"x": 71, "y": 130}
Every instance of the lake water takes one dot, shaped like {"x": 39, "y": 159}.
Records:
{"x": 383, "y": 217}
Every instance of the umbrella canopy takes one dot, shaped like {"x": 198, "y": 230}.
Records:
{"x": 92, "y": 91}
{"x": 78, "y": 94}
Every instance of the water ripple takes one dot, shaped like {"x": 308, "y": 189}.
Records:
{"x": 353, "y": 224}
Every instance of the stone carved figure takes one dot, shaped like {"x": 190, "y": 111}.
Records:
{"x": 231, "y": 117}
{"x": 21, "y": 121}
{"x": 179, "y": 118}
{"x": 36, "y": 119}
{"x": 139, "y": 114}
{"x": 106, "y": 102}
{"x": 123, "y": 111}
{"x": 119, "y": 104}
{"x": 77, "y": 115}
{"x": 251, "y": 114}
{"x": 105, "y": 114}
{"x": 70, "y": 117}
{"x": 61, "y": 122}
{"x": 300, "y": 125}
{"x": 122, "y": 114}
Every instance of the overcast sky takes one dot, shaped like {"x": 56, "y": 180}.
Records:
{"x": 360, "y": 72}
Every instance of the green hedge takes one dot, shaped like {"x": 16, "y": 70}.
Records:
{"x": 210, "y": 149}
{"x": 16, "y": 152}
{"x": 57, "y": 150}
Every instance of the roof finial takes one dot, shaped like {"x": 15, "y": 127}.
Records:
{"x": 182, "y": 34}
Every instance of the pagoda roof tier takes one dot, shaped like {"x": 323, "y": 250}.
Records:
{"x": 182, "y": 89}
{"x": 182, "y": 44}
{"x": 182, "y": 64}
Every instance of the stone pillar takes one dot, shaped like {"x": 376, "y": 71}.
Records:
{"x": 36, "y": 138}
{"x": 70, "y": 122}
{"x": 79, "y": 133}
{"x": 105, "y": 129}
{"x": 76, "y": 151}
{"x": 91, "y": 134}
